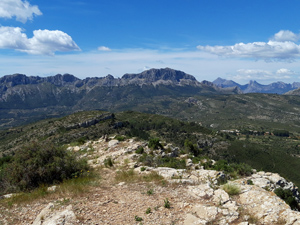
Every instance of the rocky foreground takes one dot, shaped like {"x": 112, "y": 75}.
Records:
{"x": 190, "y": 196}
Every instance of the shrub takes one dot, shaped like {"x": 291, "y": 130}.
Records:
{"x": 120, "y": 138}
{"x": 288, "y": 197}
{"x": 191, "y": 148}
{"x": 38, "y": 164}
{"x": 140, "y": 150}
{"x": 249, "y": 182}
{"x": 233, "y": 169}
{"x": 231, "y": 189}
{"x": 81, "y": 140}
{"x": 4, "y": 160}
{"x": 155, "y": 144}
{"x": 281, "y": 133}
{"x": 137, "y": 218}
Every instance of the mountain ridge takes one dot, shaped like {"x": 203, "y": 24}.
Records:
{"x": 253, "y": 86}
{"x": 146, "y": 77}
{"x": 23, "y": 97}
{"x": 164, "y": 76}
{"x": 164, "y": 91}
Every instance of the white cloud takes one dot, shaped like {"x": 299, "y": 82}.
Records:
{"x": 273, "y": 50}
{"x": 103, "y": 48}
{"x": 43, "y": 42}
{"x": 284, "y": 71}
{"x": 20, "y": 9}
{"x": 13, "y": 38}
{"x": 285, "y": 35}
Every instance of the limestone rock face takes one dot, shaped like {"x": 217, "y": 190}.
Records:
{"x": 48, "y": 217}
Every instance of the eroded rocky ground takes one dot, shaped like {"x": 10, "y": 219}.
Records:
{"x": 193, "y": 194}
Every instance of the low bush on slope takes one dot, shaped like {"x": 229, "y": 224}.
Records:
{"x": 38, "y": 164}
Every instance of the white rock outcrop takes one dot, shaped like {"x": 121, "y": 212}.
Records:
{"x": 49, "y": 217}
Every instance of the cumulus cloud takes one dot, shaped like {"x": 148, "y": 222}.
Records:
{"x": 43, "y": 42}
{"x": 280, "y": 47}
{"x": 263, "y": 75}
{"x": 285, "y": 72}
{"x": 20, "y": 9}
{"x": 104, "y": 48}
{"x": 286, "y": 35}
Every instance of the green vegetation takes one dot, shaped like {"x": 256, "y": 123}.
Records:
{"x": 249, "y": 182}
{"x": 38, "y": 164}
{"x": 235, "y": 154}
{"x": 287, "y": 196}
{"x": 281, "y": 133}
{"x": 119, "y": 138}
{"x": 150, "y": 192}
{"x": 138, "y": 219}
{"x": 231, "y": 189}
{"x": 140, "y": 150}
{"x": 148, "y": 210}
{"x": 154, "y": 143}
{"x": 192, "y": 148}
{"x": 232, "y": 169}
{"x": 169, "y": 130}
{"x": 108, "y": 162}
{"x": 167, "y": 203}
{"x": 158, "y": 161}
{"x": 264, "y": 153}
{"x": 71, "y": 187}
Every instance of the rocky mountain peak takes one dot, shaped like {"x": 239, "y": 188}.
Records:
{"x": 60, "y": 80}
{"x": 110, "y": 77}
{"x": 153, "y": 75}
{"x": 253, "y": 82}
{"x": 17, "y": 79}
{"x": 219, "y": 81}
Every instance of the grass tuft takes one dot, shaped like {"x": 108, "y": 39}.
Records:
{"x": 231, "y": 189}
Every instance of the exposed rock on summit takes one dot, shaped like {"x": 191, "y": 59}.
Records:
{"x": 194, "y": 194}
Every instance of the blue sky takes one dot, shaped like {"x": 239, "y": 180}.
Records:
{"x": 239, "y": 40}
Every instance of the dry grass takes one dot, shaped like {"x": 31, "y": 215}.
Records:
{"x": 129, "y": 176}
{"x": 231, "y": 189}
{"x": 70, "y": 188}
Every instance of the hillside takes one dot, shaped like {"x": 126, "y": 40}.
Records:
{"x": 128, "y": 192}
{"x": 260, "y": 151}
{"x": 294, "y": 92}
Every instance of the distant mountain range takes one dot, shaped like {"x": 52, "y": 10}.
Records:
{"x": 254, "y": 87}
{"x": 25, "y": 99}
{"x": 30, "y": 98}
{"x": 23, "y": 91}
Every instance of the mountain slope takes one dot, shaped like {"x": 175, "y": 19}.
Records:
{"x": 293, "y": 92}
